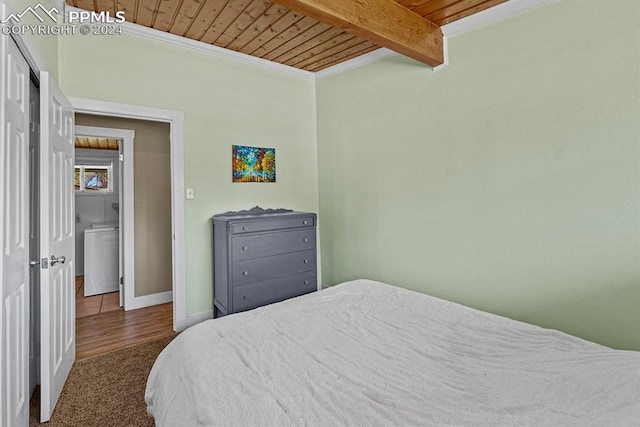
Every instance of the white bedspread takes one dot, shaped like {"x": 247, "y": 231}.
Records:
{"x": 366, "y": 354}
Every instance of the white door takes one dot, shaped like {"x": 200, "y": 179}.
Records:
{"x": 14, "y": 235}
{"x": 57, "y": 207}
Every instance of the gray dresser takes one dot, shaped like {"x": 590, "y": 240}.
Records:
{"x": 261, "y": 257}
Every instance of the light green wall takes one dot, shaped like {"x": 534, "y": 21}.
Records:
{"x": 224, "y": 103}
{"x": 509, "y": 181}
{"x": 48, "y": 48}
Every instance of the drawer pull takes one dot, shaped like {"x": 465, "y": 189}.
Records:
{"x": 305, "y": 222}
{"x": 306, "y": 261}
{"x": 244, "y": 228}
{"x": 245, "y": 273}
{"x": 305, "y": 240}
{"x": 245, "y": 248}
{"x": 306, "y": 282}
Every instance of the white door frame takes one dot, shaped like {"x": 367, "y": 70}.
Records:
{"x": 131, "y": 302}
{"x": 176, "y": 122}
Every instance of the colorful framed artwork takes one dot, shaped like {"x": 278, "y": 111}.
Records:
{"x": 253, "y": 164}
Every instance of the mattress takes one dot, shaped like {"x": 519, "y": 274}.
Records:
{"x": 366, "y": 353}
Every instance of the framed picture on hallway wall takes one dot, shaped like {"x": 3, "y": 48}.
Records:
{"x": 253, "y": 164}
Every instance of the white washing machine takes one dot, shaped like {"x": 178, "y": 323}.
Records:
{"x": 101, "y": 255}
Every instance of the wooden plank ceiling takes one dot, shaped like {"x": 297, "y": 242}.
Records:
{"x": 97, "y": 143}
{"x": 269, "y": 30}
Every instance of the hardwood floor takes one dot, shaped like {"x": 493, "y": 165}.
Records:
{"x": 103, "y": 332}
{"x": 95, "y": 304}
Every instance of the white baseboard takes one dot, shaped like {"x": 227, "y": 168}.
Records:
{"x": 149, "y": 300}
{"x": 194, "y": 319}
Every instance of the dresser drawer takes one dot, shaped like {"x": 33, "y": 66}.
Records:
{"x": 270, "y": 291}
{"x": 259, "y": 245}
{"x": 271, "y": 267}
{"x": 274, "y": 224}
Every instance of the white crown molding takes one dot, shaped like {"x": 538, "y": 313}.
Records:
{"x": 500, "y": 12}
{"x": 494, "y": 14}
{"x": 359, "y": 61}
{"x": 232, "y": 55}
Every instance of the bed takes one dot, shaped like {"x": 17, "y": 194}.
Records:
{"x": 364, "y": 353}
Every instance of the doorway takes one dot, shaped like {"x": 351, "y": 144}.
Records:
{"x": 123, "y": 245}
{"x": 102, "y": 159}
{"x": 146, "y": 208}
{"x": 175, "y": 121}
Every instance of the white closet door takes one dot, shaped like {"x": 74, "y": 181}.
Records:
{"x": 57, "y": 242}
{"x": 14, "y": 235}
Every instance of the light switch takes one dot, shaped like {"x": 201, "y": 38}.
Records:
{"x": 189, "y": 193}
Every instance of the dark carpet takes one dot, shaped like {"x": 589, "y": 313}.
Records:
{"x": 106, "y": 390}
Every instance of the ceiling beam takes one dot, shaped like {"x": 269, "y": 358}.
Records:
{"x": 384, "y": 22}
